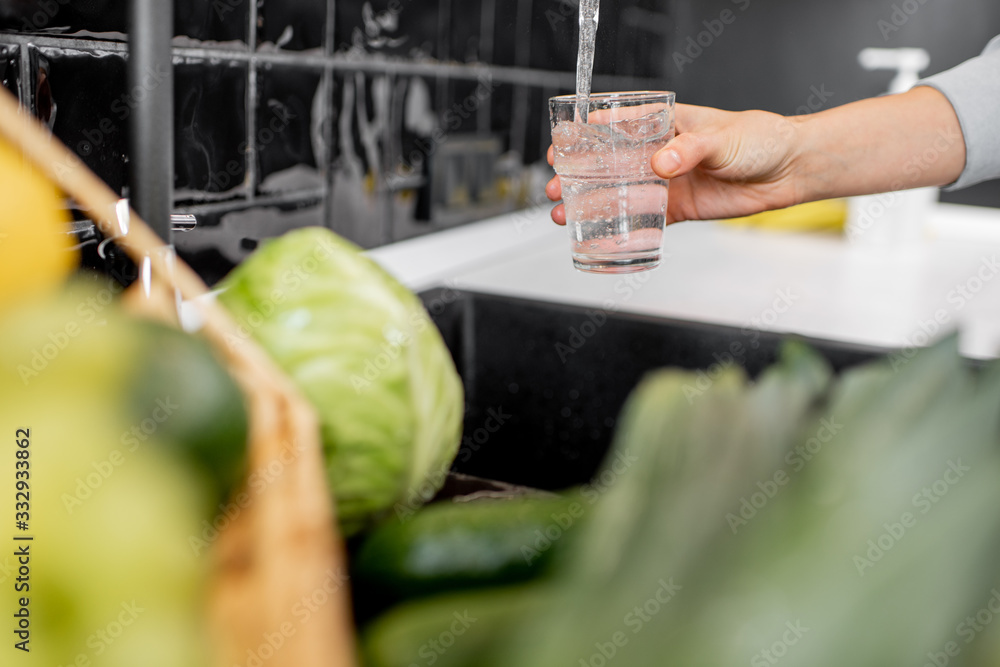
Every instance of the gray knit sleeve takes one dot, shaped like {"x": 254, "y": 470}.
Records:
{"x": 973, "y": 88}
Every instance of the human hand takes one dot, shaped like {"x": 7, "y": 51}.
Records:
{"x": 721, "y": 164}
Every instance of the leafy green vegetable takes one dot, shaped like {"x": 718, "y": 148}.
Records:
{"x": 363, "y": 350}
{"x": 802, "y": 519}
{"x": 870, "y": 546}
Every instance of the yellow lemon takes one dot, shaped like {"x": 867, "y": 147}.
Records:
{"x": 36, "y": 252}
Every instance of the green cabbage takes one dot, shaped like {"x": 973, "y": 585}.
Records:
{"x": 363, "y": 350}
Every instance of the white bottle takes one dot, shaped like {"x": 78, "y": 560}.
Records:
{"x": 893, "y": 218}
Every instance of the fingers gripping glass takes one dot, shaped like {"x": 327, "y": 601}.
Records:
{"x": 616, "y": 206}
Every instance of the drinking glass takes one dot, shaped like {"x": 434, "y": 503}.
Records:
{"x": 616, "y": 206}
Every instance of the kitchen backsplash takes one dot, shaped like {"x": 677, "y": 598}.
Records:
{"x": 381, "y": 119}
{"x": 387, "y": 119}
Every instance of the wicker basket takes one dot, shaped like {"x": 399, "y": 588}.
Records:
{"x": 282, "y": 549}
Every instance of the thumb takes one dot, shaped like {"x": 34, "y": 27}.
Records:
{"x": 683, "y": 153}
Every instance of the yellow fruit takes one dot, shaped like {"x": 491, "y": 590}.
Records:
{"x": 36, "y": 253}
{"x": 818, "y": 216}
{"x": 111, "y": 576}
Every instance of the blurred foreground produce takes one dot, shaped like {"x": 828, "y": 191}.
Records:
{"x": 456, "y": 629}
{"x": 178, "y": 373}
{"x": 36, "y": 251}
{"x": 364, "y": 352}
{"x": 111, "y": 579}
{"x": 801, "y": 519}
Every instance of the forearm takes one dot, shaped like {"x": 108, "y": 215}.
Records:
{"x": 885, "y": 143}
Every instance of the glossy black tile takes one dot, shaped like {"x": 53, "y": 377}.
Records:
{"x": 292, "y": 25}
{"x": 395, "y": 155}
{"x": 83, "y": 97}
{"x": 537, "y": 134}
{"x": 210, "y": 136}
{"x": 37, "y": 91}
{"x": 631, "y": 40}
{"x": 288, "y": 130}
{"x": 213, "y": 21}
{"x": 412, "y": 28}
{"x": 104, "y": 18}
{"x": 454, "y": 162}
{"x": 10, "y": 68}
{"x": 553, "y": 44}
{"x": 361, "y": 106}
{"x": 639, "y": 44}
{"x": 416, "y": 135}
{"x": 465, "y": 99}
{"x": 360, "y": 178}
{"x": 464, "y": 22}
{"x": 511, "y": 32}
{"x": 501, "y": 112}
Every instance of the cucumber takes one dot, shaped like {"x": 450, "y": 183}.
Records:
{"x": 454, "y": 630}
{"x": 451, "y": 546}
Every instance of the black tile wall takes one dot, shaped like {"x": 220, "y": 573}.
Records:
{"x": 210, "y": 135}
{"x": 466, "y": 44}
{"x": 554, "y": 35}
{"x": 88, "y": 107}
{"x": 212, "y": 21}
{"x": 466, "y": 100}
{"x": 35, "y": 84}
{"x": 289, "y": 118}
{"x": 501, "y": 113}
{"x": 10, "y": 68}
{"x": 63, "y": 16}
{"x": 294, "y": 25}
{"x": 536, "y": 131}
{"x": 415, "y": 115}
{"x": 634, "y": 38}
{"x": 512, "y": 32}
{"x": 389, "y": 27}
{"x": 358, "y": 197}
